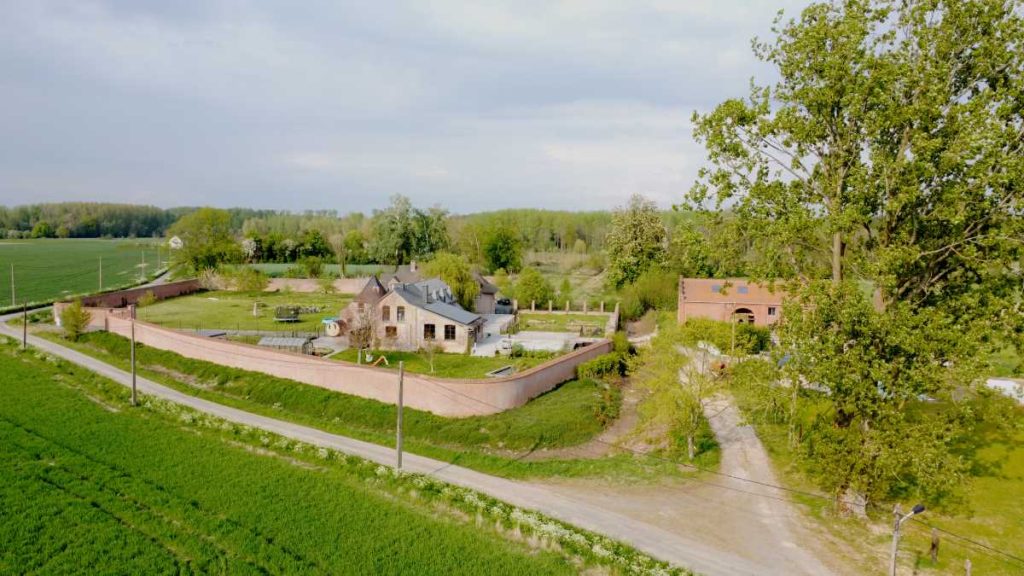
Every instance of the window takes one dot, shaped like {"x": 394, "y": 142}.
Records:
{"x": 449, "y": 331}
{"x": 771, "y": 310}
{"x": 391, "y": 331}
{"x": 428, "y": 331}
{"x": 716, "y": 288}
{"x": 362, "y": 307}
{"x": 385, "y": 313}
{"x": 400, "y": 313}
{"x": 743, "y": 289}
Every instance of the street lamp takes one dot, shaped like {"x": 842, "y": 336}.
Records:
{"x": 900, "y": 519}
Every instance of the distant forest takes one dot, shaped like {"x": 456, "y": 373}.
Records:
{"x": 538, "y": 229}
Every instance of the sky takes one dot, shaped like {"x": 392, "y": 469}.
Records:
{"x": 338, "y": 105}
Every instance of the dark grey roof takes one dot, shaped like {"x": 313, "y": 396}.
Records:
{"x": 372, "y": 292}
{"x": 437, "y": 289}
{"x": 485, "y": 286}
{"x": 414, "y": 296}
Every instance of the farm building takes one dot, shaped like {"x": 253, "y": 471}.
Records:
{"x": 735, "y": 299}
{"x": 410, "y": 316}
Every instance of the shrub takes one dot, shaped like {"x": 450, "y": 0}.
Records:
{"x": 655, "y": 289}
{"x": 326, "y": 285}
{"x": 146, "y": 299}
{"x": 74, "y": 319}
{"x": 313, "y": 266}
{"x": 750, "y": 339}
{"x": 611, "y": 364}
{"x": 246, "y": 279}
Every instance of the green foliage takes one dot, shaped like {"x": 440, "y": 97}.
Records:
{"x": 604, "y": 366}
{"x": 454, "y": 270}
{"x": 42, "y": 229}
{"x": 207, "y": 241}
{"x": 532, "y": 286}
{"x": 636, "y": 241}
{"x": 565, "y": 291}
{"x": 503, "y": 250}
{"x": 312, "y": 266}
{"x": 654, "y": 289}
{"x": 233, "y": 310}
{"x": 74, "y": 319}
{"x": 748, "y": 339}
{"x": 146, "y": 299}
{"x": 403, "y": 233}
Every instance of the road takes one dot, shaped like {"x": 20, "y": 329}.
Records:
{"x": 646, "y": 536}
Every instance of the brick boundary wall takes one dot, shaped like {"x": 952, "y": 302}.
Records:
{"x": 101, "y": 305}
{"x": 442, "y": 396}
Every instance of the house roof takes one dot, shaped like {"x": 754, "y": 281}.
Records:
{"x": 485, "y": 286}
{"x": 416, "y": 297}
{"x": 372, "y": 292}
{"x": 436, "y": 289}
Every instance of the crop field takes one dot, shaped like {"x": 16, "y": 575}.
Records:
{"x": 88, "y": 484}
{"x": 447, "y": 365}
{"x": 562, "y": 322}
{"x": 224, "y": 310}
{"x": 51, "y": 269}
{"x": 570, "y": 415}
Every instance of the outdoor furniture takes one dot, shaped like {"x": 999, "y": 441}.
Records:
{"x": 286, "y": 314}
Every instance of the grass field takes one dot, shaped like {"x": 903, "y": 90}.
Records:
{"x": 561, "y": 322}
{"x": 566, "y": 416}
{"x": 226, "y": 310}
{"x": 993, "y": 510}
{"x": 447, "y": 365}
{"x": 91, "y": 485}
{"x": 51, "y": 269}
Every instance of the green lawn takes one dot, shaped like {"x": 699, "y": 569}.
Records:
{"x": 566, "y": 416}
{"x": 447, "y": 365}
{"x": 88, "y": 484}
{"x": 52, "y": 269}
{"x": 561, "y": 322}
{"x": 226, "y": 310}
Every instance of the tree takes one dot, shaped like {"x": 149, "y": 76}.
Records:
{"x": 636, "y": 241}
{"x": 74, "y": 319}
{"x": 531, "y": 286}
{"x": 455, "y": 272}
{"x": 890, "y": 153}
{"x": 503, "y": 250}
{"x": 206, "y": 241}
{"x": 403, "y": 233}
{"x": 565, "y": 291}
{"x": 42, "y": 229}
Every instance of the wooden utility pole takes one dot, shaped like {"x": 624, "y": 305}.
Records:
{"x": 143, "y": 278}
{"x": 13, "y": 301}
{"x": 401, "y": 392}
{"x": 24, "y": 327}
{"x": 101, "y": 273}
{"x": 134, "y": 393}
{"x": 895, "y": 539}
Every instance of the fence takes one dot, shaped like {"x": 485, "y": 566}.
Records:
{"x": 445, "y": 397}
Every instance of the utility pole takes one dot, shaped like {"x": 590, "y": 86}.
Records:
{"x": 900, "y": 519}
{"x": 401, "y": 391}
{"x": 134, "y": 393}
{"x": 24, "y": 326}
{"x": 13, "y": 301}
{"x": 143, "y": 278}
{"x": 101, "y": 273}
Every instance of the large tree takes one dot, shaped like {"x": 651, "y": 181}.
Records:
{"x": 403, "y": 233}
{"x": 888, "y": 155}
{"x": 206, "y": 241}
{"x": 454, "y": 270}
{"x": 503, "y": 250}
{"x": 636, "y": 240}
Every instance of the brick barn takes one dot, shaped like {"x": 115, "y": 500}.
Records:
{"x": 730, "y": 298}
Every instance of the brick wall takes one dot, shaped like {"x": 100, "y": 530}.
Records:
{"x": 445, "y": 397}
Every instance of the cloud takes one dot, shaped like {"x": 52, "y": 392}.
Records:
{"x": 341, "y": 104}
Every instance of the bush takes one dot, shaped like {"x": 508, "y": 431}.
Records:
{"x": 74, "y": 319}
{"x": 246, "y": 279}
{"x": 313, "y": 266}
{"x": 653, "y": 290}
{"x": 750, "y": 339}
{"x": 146, "y": 299}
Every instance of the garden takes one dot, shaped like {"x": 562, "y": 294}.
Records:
{"x": 445, "y": 365}
{"x": 228, "y": 310}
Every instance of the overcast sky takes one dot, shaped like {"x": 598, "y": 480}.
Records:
{"x": 334, "y": 104}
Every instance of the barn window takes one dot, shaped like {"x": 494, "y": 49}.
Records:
{"x": 400, "y": 313}
{"x": 743, "y": 289}
{"x": 771, "y": 310}
{"x": 449, "y": 331}
{"x": 716, "y": 288}
{"x": 428, "y": 331}
{"x": 385, "y": 313}
{"x": 391, "y": 331}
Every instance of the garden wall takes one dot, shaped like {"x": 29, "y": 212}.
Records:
{"x": 309, "y": 285}
{"x": 100, "y": 305}
{"x": 445, "y": 397}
